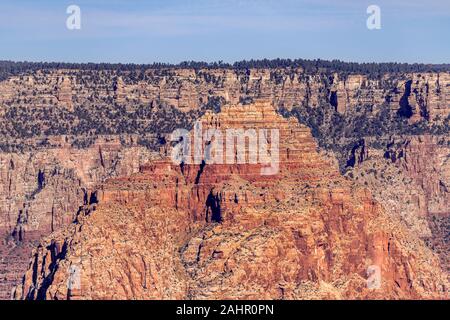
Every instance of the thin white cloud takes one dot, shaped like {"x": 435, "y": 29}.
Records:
{"x": 203, "y": 17}
{"x": 104, "y": 23}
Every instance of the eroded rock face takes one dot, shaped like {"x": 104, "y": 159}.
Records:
{"x": 426, "y": 160}
{"x": 43, "y": 185}
{"x": 415, "y": 95}
{"x": 216, "y": 231}
{"x": 411, "y": 178}
{"x": 41, "y": 191}
{"x": 65, "y": 93}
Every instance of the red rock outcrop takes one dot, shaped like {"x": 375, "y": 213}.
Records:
{"x": 191, "y": 231}
{"x": 41, "y": 191}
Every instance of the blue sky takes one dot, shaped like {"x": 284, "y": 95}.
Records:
{"x": 149, "y": 31}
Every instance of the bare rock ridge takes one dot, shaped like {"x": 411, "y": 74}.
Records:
{"x": 216, "y": 231}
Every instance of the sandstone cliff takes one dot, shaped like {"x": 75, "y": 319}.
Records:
{"x": 411, "y": 179}
{"x": 64, "y": 131}
{"x": 225, "y": 231}
{"x": 418, "y": 95}
{"x": 41, "y": 192}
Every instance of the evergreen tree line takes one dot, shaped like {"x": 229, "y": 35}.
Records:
{"x": 10, "y": 68}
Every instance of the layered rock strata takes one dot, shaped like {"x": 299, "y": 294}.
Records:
{"x": 418, "y": 95}
{"x": 411, "y": 179}
{"x": 41, "y": 191}
{"x": 44, "y": 178}
{"x": 217, "y": 231}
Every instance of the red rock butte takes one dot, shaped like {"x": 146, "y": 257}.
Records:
{"x": 224, "y": 231}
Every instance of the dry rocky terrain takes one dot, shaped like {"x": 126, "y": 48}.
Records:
{"x": 86, "y": 180}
